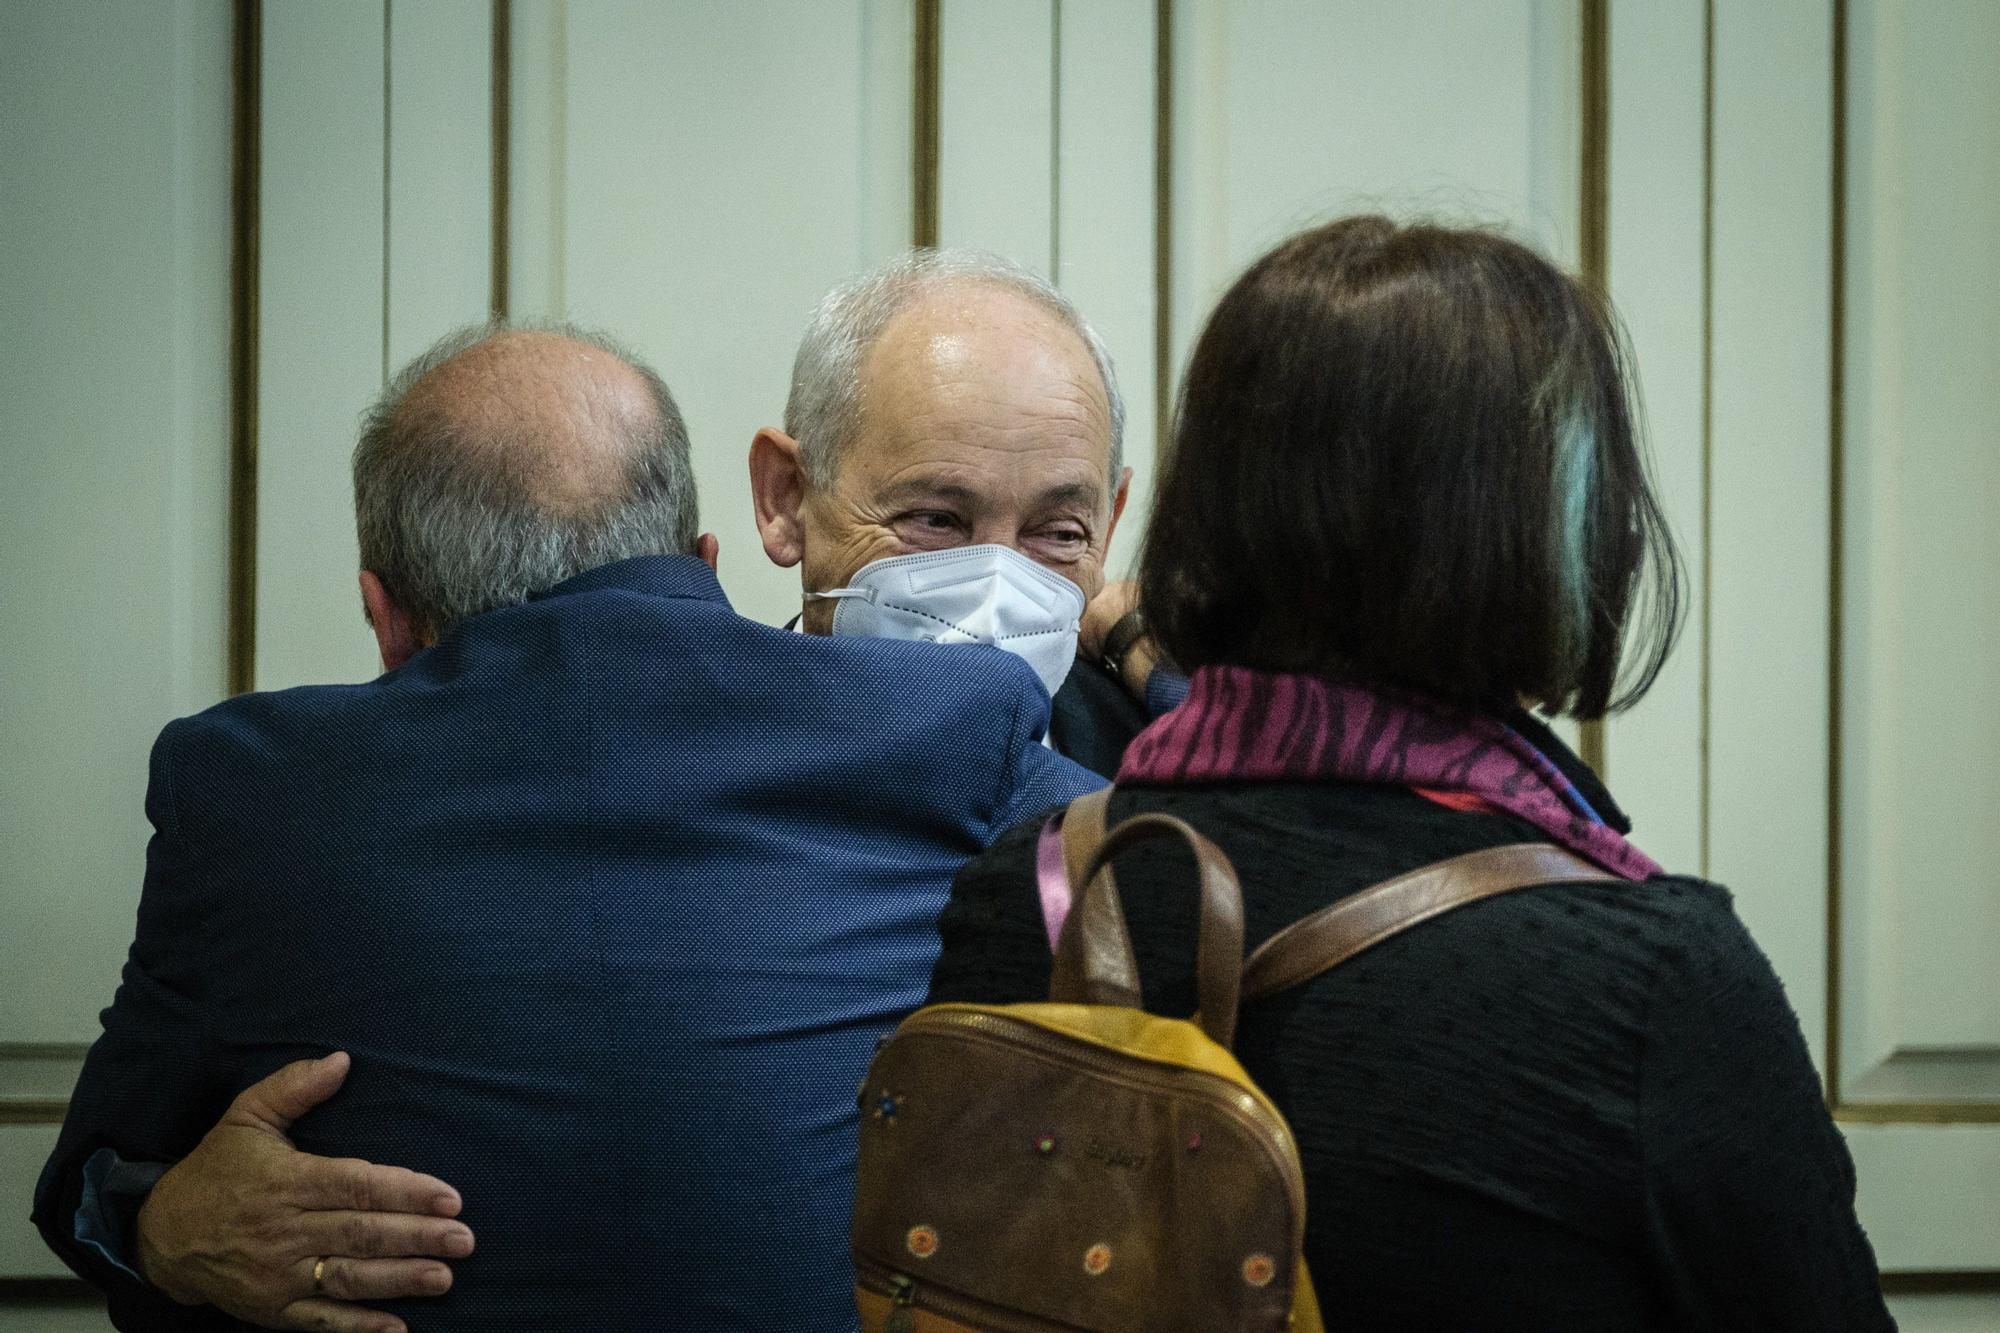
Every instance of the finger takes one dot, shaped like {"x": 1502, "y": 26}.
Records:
{"x": 350, "y": 1183}
{"x": 359, "y": 1235}
{"x": 382, "y": 1279}
{"x": 276, "y": 1101}
{"x": 334, "y": 1317}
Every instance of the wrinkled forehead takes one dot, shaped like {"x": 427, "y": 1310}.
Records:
{"x": 985, "y": 382}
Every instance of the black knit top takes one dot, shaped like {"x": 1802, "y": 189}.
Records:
{"x": 1570, "y": 1108}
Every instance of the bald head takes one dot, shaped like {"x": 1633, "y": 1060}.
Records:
{"x": 954, "y": 292}
{"x": 973, "y": 340}
{"x": 562, "y": 415}
{"x": 505, "y": 460}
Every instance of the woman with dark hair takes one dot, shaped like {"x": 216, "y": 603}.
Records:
{"x": 1405, "y": 500}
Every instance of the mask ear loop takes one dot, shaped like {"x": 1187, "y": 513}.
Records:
{"x": 842, "y": 594}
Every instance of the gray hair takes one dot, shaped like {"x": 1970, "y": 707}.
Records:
{"x": 823, "y": 412}
{"x": 455, "y": 527}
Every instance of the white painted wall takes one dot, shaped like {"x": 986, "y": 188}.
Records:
{"x": 114, "y": 202}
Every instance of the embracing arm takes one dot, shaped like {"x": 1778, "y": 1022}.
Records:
{"x": 241, "y": 1219}
{"x": 242, "y": 1222}
{"x": 1749, "y": 1186}
{"x": 1149, "y": 678}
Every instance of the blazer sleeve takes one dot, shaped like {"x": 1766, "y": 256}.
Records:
{"x": 150, "y": 1086}
{"x": 1749, "y": 1185}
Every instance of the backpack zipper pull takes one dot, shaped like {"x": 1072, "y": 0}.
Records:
{"x": 902, "y": 1316}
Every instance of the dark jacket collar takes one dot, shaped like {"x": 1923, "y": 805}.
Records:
{"x": 651, "y": 575}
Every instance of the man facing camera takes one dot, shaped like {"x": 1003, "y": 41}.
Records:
{"x": 952, "y": 468}
{"x": 598, "y": 887}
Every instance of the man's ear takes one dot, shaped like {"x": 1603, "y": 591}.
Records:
{"x": 707, "y": 549}
{"x": 777, "y": 493}
{"x": 1118, "y": 499}
{"x": 395, "y": 632}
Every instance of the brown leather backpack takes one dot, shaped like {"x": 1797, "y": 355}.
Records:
{"x": 1082, "y": 1164}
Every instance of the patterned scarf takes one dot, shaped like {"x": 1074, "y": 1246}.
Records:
{"x": 1251, "y": 726}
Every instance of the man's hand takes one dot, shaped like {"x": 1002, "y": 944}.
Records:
{"x": 1111, "y": 605}
{"x": 243, "y": 1220}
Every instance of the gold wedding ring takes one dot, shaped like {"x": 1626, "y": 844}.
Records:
{"x": 319, "y": 1276}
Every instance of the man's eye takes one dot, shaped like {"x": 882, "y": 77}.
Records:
{"x": 929, "y": 529}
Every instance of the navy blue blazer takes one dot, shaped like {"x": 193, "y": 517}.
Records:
{"x": 610, "y": 896}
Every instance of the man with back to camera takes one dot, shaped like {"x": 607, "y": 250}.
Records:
{"x": 606, "y": 891}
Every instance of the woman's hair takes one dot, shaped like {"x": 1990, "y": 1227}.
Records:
{"x": 1408, "y": 455}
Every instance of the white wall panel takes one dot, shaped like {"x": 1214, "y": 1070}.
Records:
{"x": 1926, "y": 1194}
{"x": 321, "y": 331}
{"x": 1920, "y": 653}
{"x": 996, "y": 128}
{"x": 537, "y": 147}
{"x": 440, "y": 170}
{"x": 23, "y": 1149}
{"x": 1655, "y": 255}
{"x": 707, "y": 173}
{"x": 1104, "y": 250}
{"x": 113, "y": 519}
{"x": 115, "y": 275}
{"x": 1289, "y": 114}
{"x": 1770, "y": 451}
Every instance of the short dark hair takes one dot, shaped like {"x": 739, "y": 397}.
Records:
{"x": 455, "y": 528}
{"x": 1408, "y": 455}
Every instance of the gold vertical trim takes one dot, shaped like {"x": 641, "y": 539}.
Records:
{"x": 1163, "y": 226}
{"x": 924, "y": 125}
{"x": 1707, "y": 572}
{"x": 388, "y": 159}
{"x": 1594, "y": 146}
{"x": 246, "y": 165}
{"x": 1593, "y": 218}
{"x": 501, "y": 134}
{"x": 1836, "y": 564}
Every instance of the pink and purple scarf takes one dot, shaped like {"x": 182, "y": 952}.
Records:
{"x": 1251, "y": 726}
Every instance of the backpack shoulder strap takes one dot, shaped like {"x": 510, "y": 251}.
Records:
{"x": 1099, "y": 916}
{"x": 1083, "y": 833}
{"x": 1332, "y": 935}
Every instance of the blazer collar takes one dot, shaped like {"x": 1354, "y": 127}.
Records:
{"x": 650, "y": 575}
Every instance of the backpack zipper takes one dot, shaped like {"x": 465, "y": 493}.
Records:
{"x": 907, "y": 1297}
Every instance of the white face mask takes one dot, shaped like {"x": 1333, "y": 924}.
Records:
{"x": 968, "y": 594}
